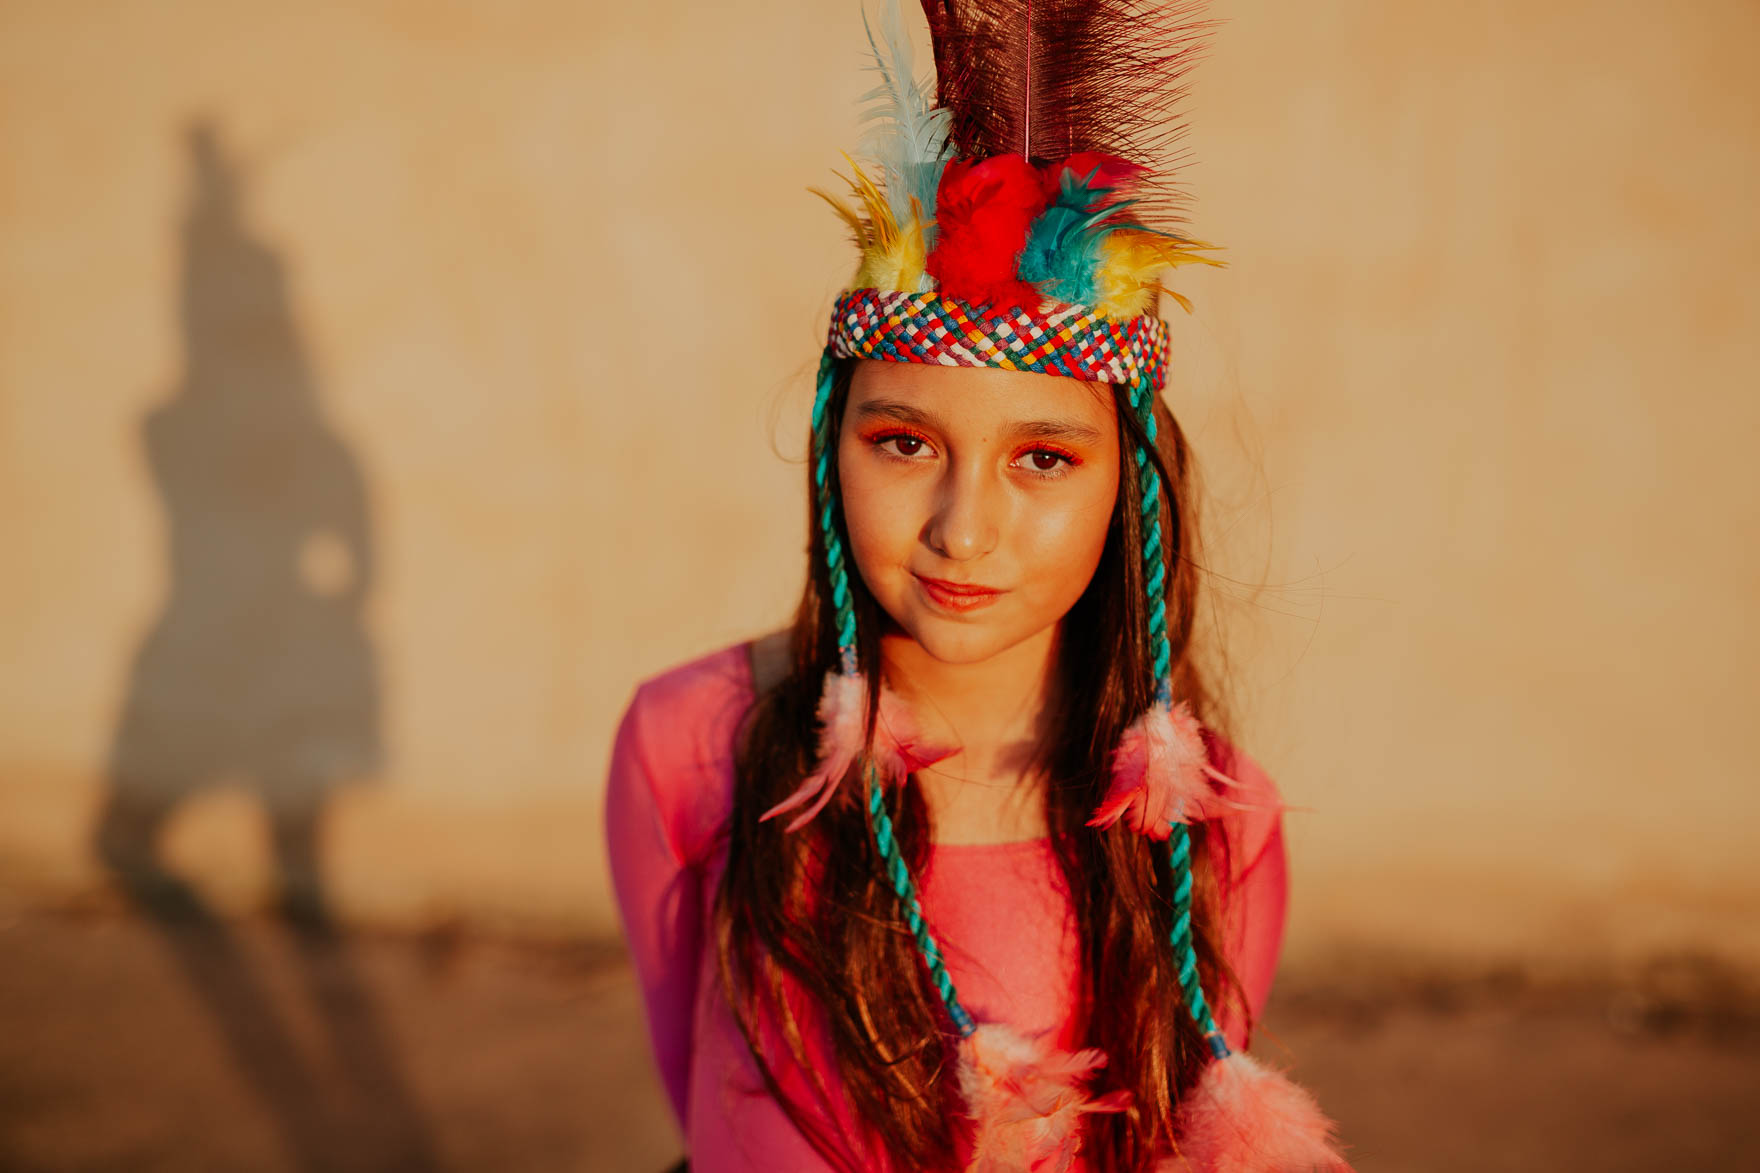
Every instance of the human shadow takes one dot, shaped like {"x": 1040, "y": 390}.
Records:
{"x": 258, "y": 672}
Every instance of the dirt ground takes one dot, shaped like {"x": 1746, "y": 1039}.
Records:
{"x": 126, "y": 1044}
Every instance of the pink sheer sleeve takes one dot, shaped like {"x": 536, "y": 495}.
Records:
{"x": 1255, "y": 937}
{"x": 1255, "y": 896}
{"x": 660, "y": 898}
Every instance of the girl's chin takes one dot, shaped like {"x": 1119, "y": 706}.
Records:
{"x": 950, "y": 642}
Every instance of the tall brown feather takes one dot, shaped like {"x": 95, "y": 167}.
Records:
{"x": 1048, "y": 78}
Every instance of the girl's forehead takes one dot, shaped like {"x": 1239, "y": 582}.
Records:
{"x": 977, "y": 393}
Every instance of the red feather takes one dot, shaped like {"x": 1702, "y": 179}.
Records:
{"x": 983, "y": 211}
{"x": 1053, "y": 78}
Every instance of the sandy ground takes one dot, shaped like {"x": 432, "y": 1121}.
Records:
{"x": 258, "y": 1046}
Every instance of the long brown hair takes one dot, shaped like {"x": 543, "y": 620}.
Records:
{"x": 809, "y": 920}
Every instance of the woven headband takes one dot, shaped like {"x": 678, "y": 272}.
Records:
{"x": 1071, "y": 340}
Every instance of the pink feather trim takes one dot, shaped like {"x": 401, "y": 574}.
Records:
{"x": 1243, "y": 1117}
{"x": 898, "y": 740}
{"x": 1159, "y": 774}
{"x": 1026, "y": 1100}
{"x": 899, "y": 747}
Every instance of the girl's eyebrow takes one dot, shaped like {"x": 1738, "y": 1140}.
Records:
{"x": 1067, "y": 430}
{"x": 893, "y": 409}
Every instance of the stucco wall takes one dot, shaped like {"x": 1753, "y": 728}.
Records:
{"x": 452, "y": 360}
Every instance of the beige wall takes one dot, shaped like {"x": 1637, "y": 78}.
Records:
{"x": 1475, "y": 398}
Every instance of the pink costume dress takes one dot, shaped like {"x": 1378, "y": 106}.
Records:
{"x": 1001, "y": 911}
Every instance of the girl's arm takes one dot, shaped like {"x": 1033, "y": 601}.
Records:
{"x": 1256, "y": 896}
{"x": 1258, "y": 899}
{"x": 660, "y": 897}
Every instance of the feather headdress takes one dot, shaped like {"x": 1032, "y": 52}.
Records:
{"x": 1012, "y": 192}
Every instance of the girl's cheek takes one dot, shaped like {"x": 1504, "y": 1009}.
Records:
{"x": 1057, "y": 535}
{"x": 875, "y": 510}
{"x": 1065, "y": 545}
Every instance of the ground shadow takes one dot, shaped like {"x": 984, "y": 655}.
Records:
{"x": 258, "y": 672}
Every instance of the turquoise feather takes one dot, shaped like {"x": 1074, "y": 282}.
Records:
{"x": 906, "y": 135}
{"x": 1063, "y": 246}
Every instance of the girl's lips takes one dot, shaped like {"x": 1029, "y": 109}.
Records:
{"x": 953, "y": 596}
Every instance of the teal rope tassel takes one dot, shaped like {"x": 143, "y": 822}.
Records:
{"x": 906, "y": 889}
{"x": 1179, "y": 852}
{"x": 1154, "y": 555}
{"x": 1179, "y": 841}
{"x": 827, "y": 501}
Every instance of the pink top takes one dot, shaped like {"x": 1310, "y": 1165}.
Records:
{"x": 1001, "y": 912}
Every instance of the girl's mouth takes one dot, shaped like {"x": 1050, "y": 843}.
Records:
{"x": 955, "y": 596}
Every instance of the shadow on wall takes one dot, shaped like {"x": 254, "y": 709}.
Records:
{"x": 258, "y": 671}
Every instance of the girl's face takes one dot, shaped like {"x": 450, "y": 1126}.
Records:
{"x": 977, "y": 500}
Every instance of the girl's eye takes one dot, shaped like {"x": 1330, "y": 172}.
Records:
{"x": 900, "y": 444}
{"x": 1047, "y": 460}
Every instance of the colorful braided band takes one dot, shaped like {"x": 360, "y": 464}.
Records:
{"x": 1067, "y": 340}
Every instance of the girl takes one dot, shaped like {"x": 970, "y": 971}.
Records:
{"x": 951, "y": 875}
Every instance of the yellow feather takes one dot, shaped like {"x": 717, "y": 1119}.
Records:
{"x": 892, "y": 257}
{"x": 1185, "y": 303}
{"x": 857, "y": 228}
{"x": 874, "y": 202}
{"x": 847, "y": 214}
{"x": 1129, "y": 267}
{"x": 897, "y": 268}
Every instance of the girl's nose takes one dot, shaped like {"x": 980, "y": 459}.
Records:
{"x": 966, "y": 521}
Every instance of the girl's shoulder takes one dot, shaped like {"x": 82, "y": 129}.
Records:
{"x": 1258, "y": 814}
{"x": 680, "y": 734}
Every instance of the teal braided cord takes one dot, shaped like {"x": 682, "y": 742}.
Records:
{"x": 906, "y": 888}
{"x": 1185, "y": 951}
{"x": 1154, "y": 557}
{"x": 1179, "y": 840}
{"x": 827, "y": 500}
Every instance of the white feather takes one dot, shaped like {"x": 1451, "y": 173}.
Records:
{"x": 906, "y": 135}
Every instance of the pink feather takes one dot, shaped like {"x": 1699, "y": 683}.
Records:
{"x": 1159, "y": 773}
{"x": 899, "y": 747}
{"x": 898, "y": 740}
{"x": 1026, "y": 1100}
{"x": 843, "y": 716}
{"x": 1243, "y": 1117}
